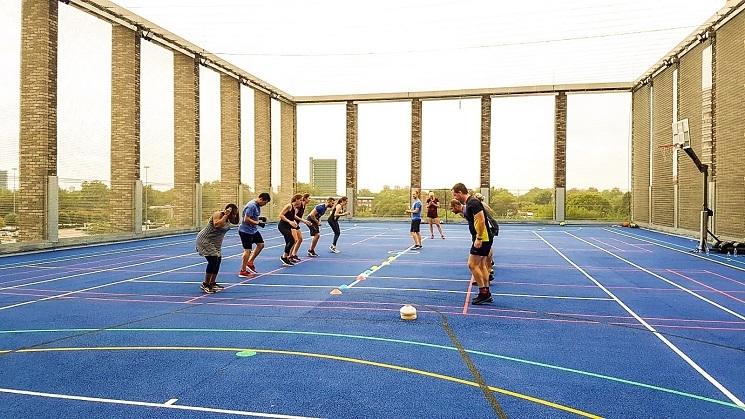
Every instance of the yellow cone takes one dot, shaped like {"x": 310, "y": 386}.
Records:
{"x": 335, "y": 291}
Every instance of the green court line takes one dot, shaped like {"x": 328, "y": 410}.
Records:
{"x": 390, "y": 340}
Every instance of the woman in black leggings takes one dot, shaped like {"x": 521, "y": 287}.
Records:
{"x": 209, "y": 244}
{"x": 286, "y": 224}
{"x": 339, "y": 210}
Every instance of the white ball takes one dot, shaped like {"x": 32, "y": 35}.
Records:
{"x": 408, "y": 312}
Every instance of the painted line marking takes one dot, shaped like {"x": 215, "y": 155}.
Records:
{"x": 700, "y": 297}
{"x": 632, "y": 245}
{"x": 707, "y": 286}
{"x": 170, "y": 402}
{"x": 390, "y": 260}
{"x": 727, "y": 278}
{"x": 685, "y": 252}
{"x": 148, "y": 404}
{"x": 664, "y": 340}
{"x": 468, "y": 296}
{"x": 358, "y": 361}
{"x": 387, "y": 340}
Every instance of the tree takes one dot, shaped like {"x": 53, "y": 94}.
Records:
{"x": 503, "y": 202}
{"x": 587, "y": 205}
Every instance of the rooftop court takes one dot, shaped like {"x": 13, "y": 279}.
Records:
{"x": 589, "y": 321}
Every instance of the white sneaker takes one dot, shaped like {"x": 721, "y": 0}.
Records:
{"x": 333, "y": 249}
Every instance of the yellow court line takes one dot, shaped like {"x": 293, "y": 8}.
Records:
{"x": 325, "y": 356}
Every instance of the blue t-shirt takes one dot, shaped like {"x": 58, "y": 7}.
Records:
{"x": 253, "y": 210}
{"x": 320, "y": 210}
{"x": 416, "y": 215}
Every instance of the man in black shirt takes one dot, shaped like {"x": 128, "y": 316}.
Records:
{"x": 478, "y": 259}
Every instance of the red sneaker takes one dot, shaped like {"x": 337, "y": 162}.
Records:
{"x": 251, "y": 268}
{"x": 244, "y": 274}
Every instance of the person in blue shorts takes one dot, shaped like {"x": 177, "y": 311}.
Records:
{"x": 249, "y": 233}
{"x": 315, "y": 224}
{"x": 416, "y": 219}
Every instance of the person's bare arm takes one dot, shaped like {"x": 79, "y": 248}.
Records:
{"x": 220, "y": 218}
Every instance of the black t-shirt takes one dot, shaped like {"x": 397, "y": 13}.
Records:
{"x": 473, "y": 207}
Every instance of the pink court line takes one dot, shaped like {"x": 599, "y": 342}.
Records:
{"x": 725, "y": 277}
{"x": 707, "y": 286}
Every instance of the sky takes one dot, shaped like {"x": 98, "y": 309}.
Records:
{"x": 334, "y": 46}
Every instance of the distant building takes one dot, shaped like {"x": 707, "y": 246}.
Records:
{"x": 4, "y": 180}
{"x": 323, "y": 175}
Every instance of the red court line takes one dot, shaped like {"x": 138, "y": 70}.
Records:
{"x": 468, "y": 296}
{"x": 707, "y": 286}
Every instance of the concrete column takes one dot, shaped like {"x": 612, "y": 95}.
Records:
{"x": 230, "y": 139}
{"x": 125, "y": 126}
{"x": 38, "y": 122}
{"x": 352, "y": 136}
{"x": 416, "y": 144}
{"x": 288, "y": 177}
{"x": 262, "y": 142}
{"x": 560, "y": 149}
{"x": 485, "y": 146}
{"x": 186, "y": 138}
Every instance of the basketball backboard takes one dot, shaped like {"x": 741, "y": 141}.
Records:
{"x": 681, "y": 134}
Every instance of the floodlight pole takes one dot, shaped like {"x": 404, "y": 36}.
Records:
{"x": 706, "y": 212}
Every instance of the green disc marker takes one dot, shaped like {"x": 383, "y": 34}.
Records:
{"x": 245, "y": 354}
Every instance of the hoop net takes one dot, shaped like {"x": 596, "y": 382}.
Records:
{"x": 667, "y": 150}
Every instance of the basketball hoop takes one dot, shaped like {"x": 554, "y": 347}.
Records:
{"x": 667, "y": 150}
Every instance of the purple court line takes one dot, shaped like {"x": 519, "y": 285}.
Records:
{"x": 64, "y": 270}
{"x": 633, "y": 245}
{"x": 707, "y": 286}
{"x": 725, "y": 277}
{"x": 266, "y": 302}
{"x": 602, "y": 242}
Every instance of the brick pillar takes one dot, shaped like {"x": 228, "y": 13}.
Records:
{"x": 560, "y": 162}
{"x": 262, "y": 142}
{"x": 351, "y": 184}
{"x": 230, "y": 139}
{"x": 186, "y": 138}
{"x": 485, "y": 146}
{"x": 416, "y": 144}
{"x": 288, "y": 178}
{"x": 125, "y": 126}
{"x": 38, "y": 122}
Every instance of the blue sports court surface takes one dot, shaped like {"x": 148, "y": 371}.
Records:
{"x": 587, "y": 321}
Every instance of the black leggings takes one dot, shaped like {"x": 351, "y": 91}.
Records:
{"x": 213, "y": 264}
{"x": 334, "y": 224}
{"x": 286, "y": 231}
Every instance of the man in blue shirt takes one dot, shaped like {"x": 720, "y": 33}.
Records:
{"x": 416, "y": 219}
{"x": 315, "y": 224}
{"x": 249, "y": 233}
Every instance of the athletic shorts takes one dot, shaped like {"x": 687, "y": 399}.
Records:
{"x": 415, "y": 225}
{"x": 483, "y": 250}
{"x": 314, "y": 228}
{"x": 248, "y": 239}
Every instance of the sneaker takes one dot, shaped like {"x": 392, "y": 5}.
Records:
{"x": 333, "y": 249}
{"x": 312, "y": 254}
{"x": 295, "y": 259}
{"x": 416, "y": 247}
{"x": 217, "y": 287}
{"x": 206, "y": 288}
{"x": 251, "y": 269}
{"x": 244, "y": 274}
{"x": 482, "y": 299}
{"x": 443, "y": 237}
{"x": 431, "y": 237}
{"x": 286, "y": 261}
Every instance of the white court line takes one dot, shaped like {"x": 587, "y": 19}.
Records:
{"x": 148, "y": 404}
{"x": 664, "y": 340}
{"x": 90, "y": 255}
{"x": 630, "y": 244}
{"x": 693, "y": 293}
{"x": 369, "y": 238}
{"x": 685, "y": 252}
{"x": 170, "y": 402}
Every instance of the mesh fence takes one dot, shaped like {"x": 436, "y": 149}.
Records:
{"x": 84, "y": 207}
